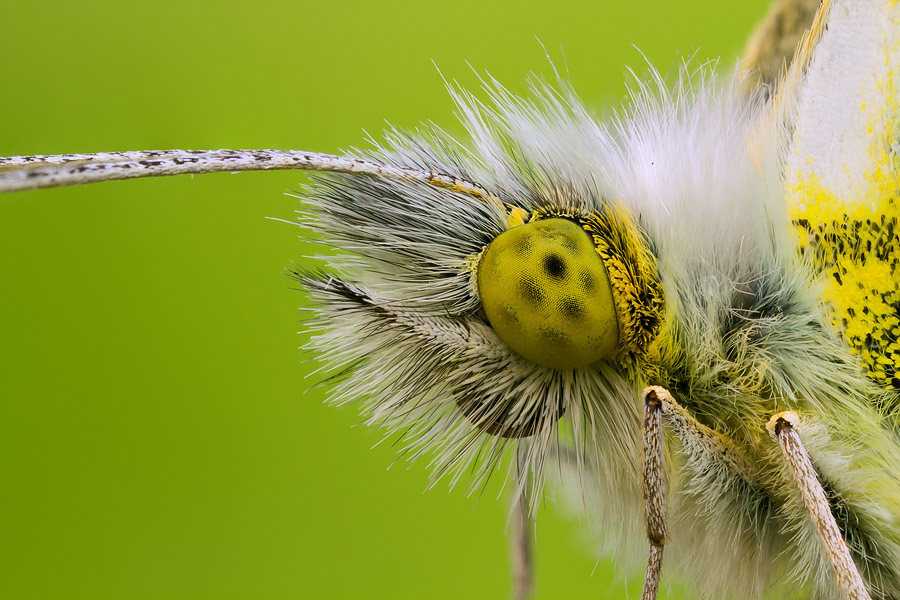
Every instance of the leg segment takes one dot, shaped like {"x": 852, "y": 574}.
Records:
{"x": 715, "y": 466}
{"x": 775, "y": 41}
{"x": 782, "y": 427}
{"x": 520, "y": 550}
{"x": 653, "y": 490}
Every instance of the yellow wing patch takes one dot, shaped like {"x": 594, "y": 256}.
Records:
{"x": 857, "y": 250}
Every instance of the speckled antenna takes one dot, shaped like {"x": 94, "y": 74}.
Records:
{"x": 19, "y": 173}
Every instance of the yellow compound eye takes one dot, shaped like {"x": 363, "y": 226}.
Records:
{"x": 546, "y": 293}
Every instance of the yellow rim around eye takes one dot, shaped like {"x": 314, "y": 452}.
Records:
{"x": 547, "y": 294}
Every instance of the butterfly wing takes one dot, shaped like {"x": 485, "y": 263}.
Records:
{"x": 842, "y": 179}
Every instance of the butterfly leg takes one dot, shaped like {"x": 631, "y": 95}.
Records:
{"x": 772, "y": 46}
{"x": 783, "y": 428}
{"x": 653, "y": 490}
{"x": 723, "y": 488}
{"x": 521, "y": 557}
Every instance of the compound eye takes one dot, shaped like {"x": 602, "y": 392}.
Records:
{"x": 546, "y": 293}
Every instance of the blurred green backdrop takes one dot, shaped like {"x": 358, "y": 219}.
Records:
{"x": 155, "y": 437}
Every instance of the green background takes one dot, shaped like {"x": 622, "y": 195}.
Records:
{"x": 156, "y": 439}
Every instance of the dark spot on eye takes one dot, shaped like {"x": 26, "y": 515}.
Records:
{"x": 569, "y": 244}
{"x": 551, "y": 334}
{"x": 531, "y": 291}
{"x": 554, "y": 266}
{"x": 572, "y": 309}
{"x": 510, "y": 314}
{"x": 523, "y": 246}
{"x": 587, "y": 282}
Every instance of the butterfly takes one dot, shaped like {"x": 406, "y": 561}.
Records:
{"x": 750, "y": 282}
